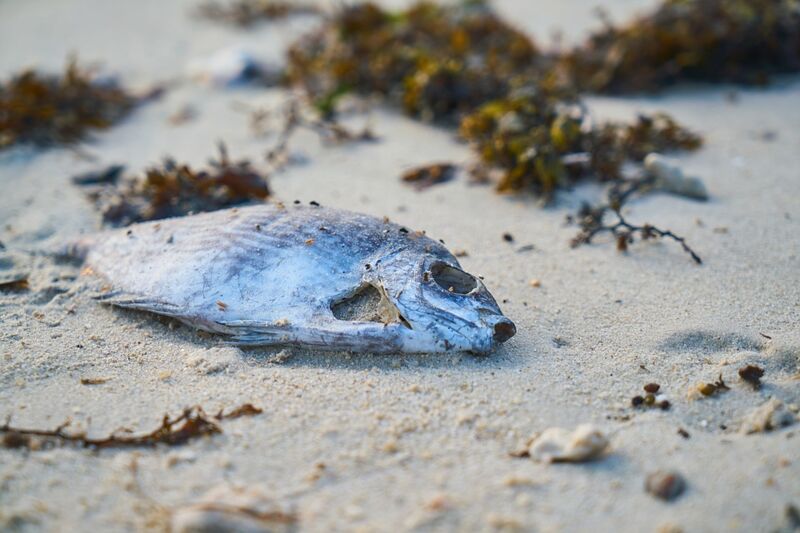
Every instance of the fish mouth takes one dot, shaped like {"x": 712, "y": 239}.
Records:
{"x": 503, "y": 330}
{"x": 495, "y": 332}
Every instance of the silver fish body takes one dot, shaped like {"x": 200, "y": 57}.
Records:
{"x": 300, "y": 276}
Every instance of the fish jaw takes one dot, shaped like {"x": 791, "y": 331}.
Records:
{"x": 480, "y": 339}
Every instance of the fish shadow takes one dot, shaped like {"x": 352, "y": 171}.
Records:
{"x": 502, "y": 358}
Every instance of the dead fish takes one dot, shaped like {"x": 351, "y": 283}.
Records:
{"x": 301, "y": 275}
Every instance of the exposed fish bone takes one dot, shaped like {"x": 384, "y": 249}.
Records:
{"x": 299, "y": 275}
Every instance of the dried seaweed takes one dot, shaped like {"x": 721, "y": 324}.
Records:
{"x": 429, "y": 175}
{"x": 541, "y": 142}
{"x": 710, "y": 389}
{"x": 519, "y": 108}
{"x": 752, "y": 374}
{"x": 743, "y": 41}
{"x": 191, "y": 424}
{"x": 45, "y": 110}
{"x": 247, "y": 409}
{"x": 173, "y": 189}
{"x": 14, "y": 283}
{"x": 246, "y": 13}
{"x": 94, "y": 381}
{"x": 109, "y": 174}
{"x": 435, "y": 62}
{"x": 592, "y": 223}
{"x": 463, "y": 64}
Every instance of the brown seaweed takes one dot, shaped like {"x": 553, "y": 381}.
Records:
{"x": 46, "y": 110}
{"x": 541, "y": 142}
{"x": 463, "y": 64}
{"x": 109, "y": 174}
{"x": 429, "y": 175}
{"x": 174, "y": 189}
{"x": 246, "y": 13}
{"x": 710, "y": 389}
{"x": 519, "y": 108}
{"x": 435, "y": 62}
{"x": 752, "y": 374}
{"x": 741, "y": 41}
{"x": 247, "y": 409}
{"x": 14, "y": 283}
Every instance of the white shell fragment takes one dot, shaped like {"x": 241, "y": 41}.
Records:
{"x": 559, "y": 445}
{"x": 299, "y": 276}
{"x": 225, "y": 67}
{"x": 232, "y": 509}
{"x": 770, "y": 415}
{"x": 670, "y": 178}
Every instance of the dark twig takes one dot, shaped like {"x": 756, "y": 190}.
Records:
{"x": 190, "y": 424}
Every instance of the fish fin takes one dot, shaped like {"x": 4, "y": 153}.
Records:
{"x": 138, "y": 301}
{"x": 358, "y": 337}
{"x": 252, "y": 333}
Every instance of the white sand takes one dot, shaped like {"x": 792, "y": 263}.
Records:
{"x": 413, "y": 442}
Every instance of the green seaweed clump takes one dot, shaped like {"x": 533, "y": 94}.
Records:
{"x": 45, "y": 110}
{"x": 741, "y": 41}
{"x": 540, "y": 142}
{"x": 173, "y": 189}
{"x": 437, "y": 62}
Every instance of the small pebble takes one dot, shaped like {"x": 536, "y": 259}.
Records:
{"x": 652, "y": 388}
{"x": 665, "y": 485}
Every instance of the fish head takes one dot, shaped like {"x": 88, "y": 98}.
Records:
{"x": 443, "y": 307}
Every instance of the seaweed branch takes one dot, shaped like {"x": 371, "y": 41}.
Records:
{"x": 329, "y": 130}
{"x": 191, "y": 424}
{"x": 592, "y": 220}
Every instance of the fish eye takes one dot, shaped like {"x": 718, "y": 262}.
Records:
{"x": 452, "y": 279}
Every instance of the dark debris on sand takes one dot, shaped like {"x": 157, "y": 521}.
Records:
{"x": 191, "y": 424}
{"x": 246, "y": 13}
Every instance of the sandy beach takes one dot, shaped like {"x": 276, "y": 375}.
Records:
{"x": 410, "y": 442}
